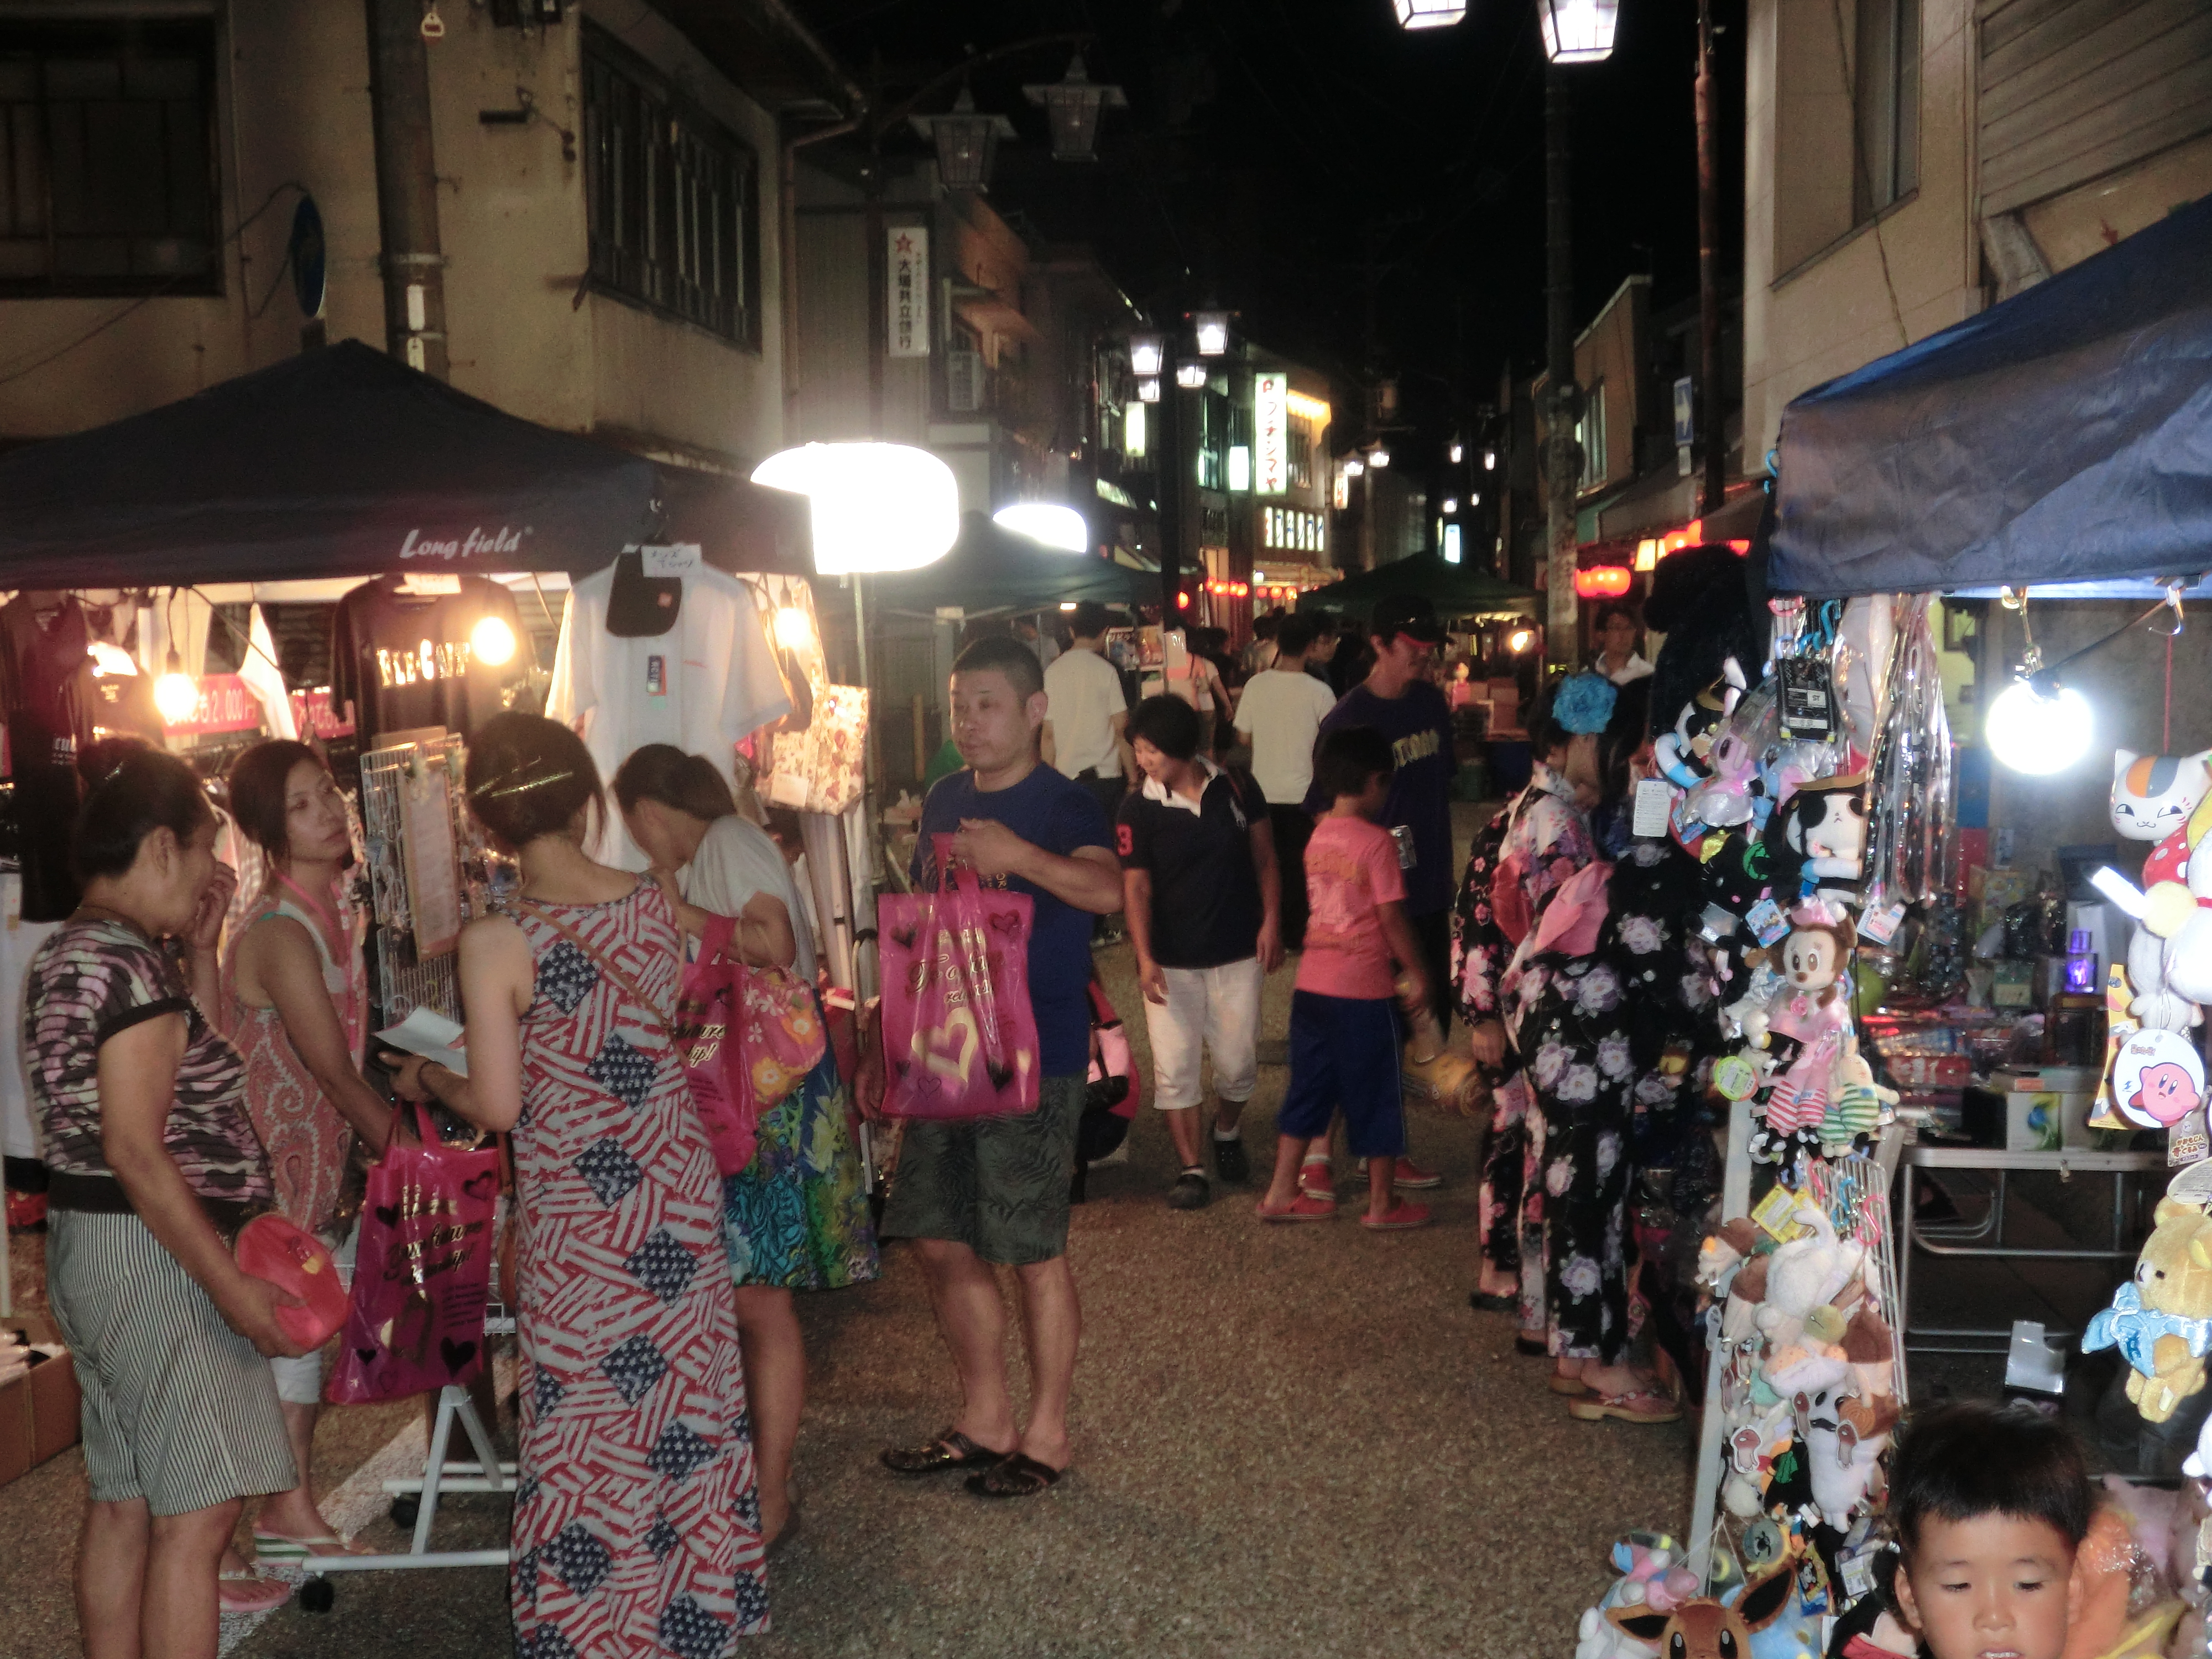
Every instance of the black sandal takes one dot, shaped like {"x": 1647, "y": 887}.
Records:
{"x": 1484, "y": 1302}
{"x": 949, "y": 1451}
{"x": 1018, "y": 1476}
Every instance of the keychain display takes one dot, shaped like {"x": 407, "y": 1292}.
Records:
{"x": 1913, "y": 812}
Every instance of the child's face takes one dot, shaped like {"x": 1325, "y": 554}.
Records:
{"x": 1995, "y": 1587}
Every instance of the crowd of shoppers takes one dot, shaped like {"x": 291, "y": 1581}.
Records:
{"x": 663, "y": 1375}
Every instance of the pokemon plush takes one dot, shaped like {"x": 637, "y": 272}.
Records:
{"x": 1705, "y": 1628}
{"x": 1653, "y": 1577}
{"x": 1843, "y": 1449}
{"x": 2161, "y": 1319}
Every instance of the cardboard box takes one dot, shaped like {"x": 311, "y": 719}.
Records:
{"x": 2047, "y": 1121}
{"x": 16, "y": 1439}
{"x": 40, "y": 1412}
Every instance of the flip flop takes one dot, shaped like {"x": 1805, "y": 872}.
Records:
{"x": 1573, "y": 1387}
{"x": 1304, "y": 1208}
{"x": 1645, "y": 1405}
{"x": 1018, "y": 1476}
{"x": 949, "y": 1451}
{"x": 1484, "y": 1302}
{"x": 264, "y": 1595}
{"x": 276, "y": 1546}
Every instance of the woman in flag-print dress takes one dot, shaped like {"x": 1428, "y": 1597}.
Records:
{"x": 636, "y": 1519}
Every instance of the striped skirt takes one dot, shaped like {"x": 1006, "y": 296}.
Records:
{"x": 179, "y": 1408}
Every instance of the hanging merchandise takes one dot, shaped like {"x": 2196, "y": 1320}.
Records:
{"x": 1913, "y": 816}
{"x": 48, "y": 701}
{"x": 2161, "y": 1319}
{"x": 678, "y": 659}
{"x": 817, "y": 757}
{"x": 424, "y": 651}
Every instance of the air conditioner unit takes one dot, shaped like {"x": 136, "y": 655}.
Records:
{"x": 963, "y": 382}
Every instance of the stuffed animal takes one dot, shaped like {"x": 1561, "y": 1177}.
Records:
{"x": 1701, "y": 601}
{"x": 1683, "y": 752}
{"x": 1806, "y": 1273}
{"x": 1856, "y": 1111}
{"x": 2161, "y": 1319}
{"x": 1816, "y": 841}
{"x": 2180, "y": 913}
{"x": 1653, "y": 1577}
{"x": 1705, "y": 1628}
{"x": 2152, "y": 795}
{"x": 1843, "y": 1449}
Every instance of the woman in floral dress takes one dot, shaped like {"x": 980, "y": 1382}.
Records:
{"x": 796, "y": 1217}
{"x": 636, "y": 1520}
{"x": 1581, "y": 1014}
{"x": 1542, "y": 837}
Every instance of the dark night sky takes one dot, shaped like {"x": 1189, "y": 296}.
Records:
{"x": 1274, "y": 148}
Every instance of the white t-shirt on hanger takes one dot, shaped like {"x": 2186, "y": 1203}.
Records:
{"x": 704, "y": 684}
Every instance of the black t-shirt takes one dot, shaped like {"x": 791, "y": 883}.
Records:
{"x": 1205, "y": 893}
{"x": 47, "y": 701}
{"x": 405, "y": 660}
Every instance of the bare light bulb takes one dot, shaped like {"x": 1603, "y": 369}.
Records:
{"x": 793, "y": 632}
{"x": 2039, "y": 734}
{"x": 176, "y": 694}
{"x": 491, "y": 643}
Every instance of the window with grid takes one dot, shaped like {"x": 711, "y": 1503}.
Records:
{"x": 672, "y": 198}
{"x": 1299, "y": 447}
{"x": 107, "y": 158}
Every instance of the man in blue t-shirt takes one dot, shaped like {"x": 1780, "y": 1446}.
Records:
{"x": 986, "y": 1191}
{"x": 1397, "y": 700}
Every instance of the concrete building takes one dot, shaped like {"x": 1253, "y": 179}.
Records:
{"x": 609, "y": 174}
{"x": 1909, "y": 161}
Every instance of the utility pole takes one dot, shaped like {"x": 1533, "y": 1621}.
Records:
{"x": 1563, "y": 398}
{"x": 413, "y": 263}
{"x": 1710, "y": 416}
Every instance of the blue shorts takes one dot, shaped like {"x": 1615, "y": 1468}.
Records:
{"x": 1344, "y": 1053}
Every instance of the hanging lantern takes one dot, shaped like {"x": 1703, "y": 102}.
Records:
{"x": 1429, "y": 14}
{"x": 1147, "y": 353}
{"x": 1602, "y": 581}
{"x": 1148, "y": 389}
{"x": 1072, "y": 107}
{"x": 1191, "y": 374}
{"x": 966, "y": 140}
{"x": 1212, "y": 330}
{"x": 1577, "y": 31}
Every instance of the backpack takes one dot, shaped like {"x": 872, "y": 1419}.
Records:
{"x": 1110, "y": 1096}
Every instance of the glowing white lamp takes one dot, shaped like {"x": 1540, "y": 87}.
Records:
{"x": 795, "y": 629}
{"x": 1429, "y": 14}
{"x": 1354, "y": 467}
{"x": 176, "y": 694}
{"x": 876, "y": 507}
{"x": 491, "y": 643}
{"x": 2038, "y": 729}
{"x": 1060, "y": 528}
{"x": 1378, "y": 457}
{"x": 1577, "y": 31}
{"x": 1519, "y": 640}
{"x": 1212, "y": 328}
{"x": 2122, "y": 892}
{"x": 1191, "y": 374}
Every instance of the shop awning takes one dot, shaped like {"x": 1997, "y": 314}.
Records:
{"x": 1453, "y": 589}
{"x": 2062, "y": 437}
{"x": 341, "y": 462}
{"x": 991, "y": 572}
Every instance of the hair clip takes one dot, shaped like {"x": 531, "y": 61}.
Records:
{"x": 498, "y": 787}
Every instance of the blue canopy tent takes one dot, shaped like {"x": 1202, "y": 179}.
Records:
{"x": 2062, "y": 439}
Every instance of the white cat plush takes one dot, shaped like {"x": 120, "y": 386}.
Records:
{"x": 2152, "y": 795}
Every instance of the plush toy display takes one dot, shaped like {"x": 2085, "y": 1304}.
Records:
{"x": 2152, "y": 795}
{"x": 2161, "y": 1319}
{"x": 1816, "y": 841}
{"x": 1707, "y": 1628}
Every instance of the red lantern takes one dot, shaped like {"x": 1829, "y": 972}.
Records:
{"x": 1602, "y": 581}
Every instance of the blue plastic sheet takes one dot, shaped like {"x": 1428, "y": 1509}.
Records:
{"x": 2064, "y": 437}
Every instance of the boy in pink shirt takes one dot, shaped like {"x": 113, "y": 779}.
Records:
{"x": 1344, "y": 1027}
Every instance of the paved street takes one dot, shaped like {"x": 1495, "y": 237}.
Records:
{"x": 1294, "y": 1440}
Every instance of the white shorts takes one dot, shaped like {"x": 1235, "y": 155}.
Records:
{"x": 1219, "y": 1008}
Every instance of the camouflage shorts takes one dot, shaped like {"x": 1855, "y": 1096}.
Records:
{"x": 999, "y": 1185}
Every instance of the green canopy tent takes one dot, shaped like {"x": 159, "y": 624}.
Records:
{"x": 1453, "y": 589}
{"x": 991, "y": 571}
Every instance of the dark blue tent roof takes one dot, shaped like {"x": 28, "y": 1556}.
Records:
{"x": 2062, "y": 437}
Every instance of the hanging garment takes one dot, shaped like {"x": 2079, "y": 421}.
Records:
{"x": 707, "y": 681}
{"x": 407, "y": 661}
{"x": 47, "y": 699}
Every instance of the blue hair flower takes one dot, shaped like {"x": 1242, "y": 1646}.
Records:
{"x": 1583, "y": 703}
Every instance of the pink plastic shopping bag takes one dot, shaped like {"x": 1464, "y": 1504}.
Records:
{"x": 960, "y": 1038}
{"x": 708, "y": 1011}
{"x": 422, "y": 1273}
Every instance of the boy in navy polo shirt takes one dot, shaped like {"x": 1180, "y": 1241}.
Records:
{"x": 1204, "y": 904}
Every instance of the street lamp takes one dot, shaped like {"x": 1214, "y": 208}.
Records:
{"x": 1072, "y": 107}
{"x": 1148, "y": 389}
{"x": 1458, "y": 453}
{"x": 875, "y": 507}
{"x": 1213, "y": 329}
{"x": 1429, "y": 14}
{"x": 1060, "y": 528}
{"x": 1378, "y": 458}
{"x": 1147, "y": 352}
{"x": 1191, "y": 374}
{"x": 1577, "y": 31}
{"x": 966, "y": 140}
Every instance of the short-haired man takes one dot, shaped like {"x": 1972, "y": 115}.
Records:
{"x": 1086, "y": 708}
{"x": 1279, "y": 719}
{"x": 1618, "y": 632}
{"x": 1399, "y": 700}
{"x": 1201, "y": 894}
{"x": 990, "y": 1192}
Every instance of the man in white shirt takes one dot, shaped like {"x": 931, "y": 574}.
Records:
{"x": 1279, "y": 718}
{"x": 1618, "y": 632}
{"x": 1086, "y": 707}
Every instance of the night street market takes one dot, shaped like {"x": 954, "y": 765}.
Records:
{"x": 1106, "y": 827}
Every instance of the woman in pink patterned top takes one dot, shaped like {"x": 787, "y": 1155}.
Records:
{"x": 637, "y": 1521}
{"x": 295, "y": 1003}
